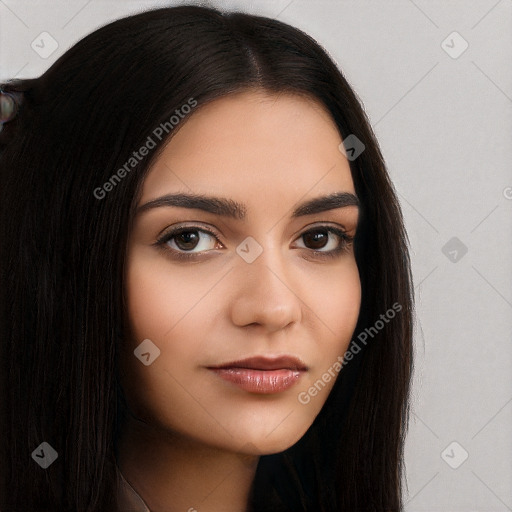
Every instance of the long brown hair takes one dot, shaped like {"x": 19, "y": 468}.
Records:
{"x": 63, "y": 250}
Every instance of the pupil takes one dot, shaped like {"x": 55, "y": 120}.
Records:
{"x": 317, "y": 239}
{"x": 188, "y": 237}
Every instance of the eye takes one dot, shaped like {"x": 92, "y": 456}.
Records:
{"x": 327, "y": 241}
{"x": 188, "y": 238}
{"x": 192, "y": 242}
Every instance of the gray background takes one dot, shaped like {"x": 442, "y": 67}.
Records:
{"x": 443, "y": 117}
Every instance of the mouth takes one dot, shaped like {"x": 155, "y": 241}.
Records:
{"x": 262, "y": 375}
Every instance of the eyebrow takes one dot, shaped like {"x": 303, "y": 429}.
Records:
{"x": 228, "y": 208}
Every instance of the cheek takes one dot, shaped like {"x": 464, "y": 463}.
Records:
{"x": 162, "y": 306}
{"x": 345, "y": 297}
{"x": 161, "y": 301}
{"x": 335, "y": 310}
{"x": 168, "y": 308}
{"x": 335, "y": 299}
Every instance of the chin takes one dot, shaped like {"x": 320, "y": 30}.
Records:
{"x": 257, "y": 443}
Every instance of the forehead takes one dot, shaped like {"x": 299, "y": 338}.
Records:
{"x": 251, "y": 142}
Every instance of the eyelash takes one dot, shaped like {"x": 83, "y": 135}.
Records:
{"x": 344, "y": 244}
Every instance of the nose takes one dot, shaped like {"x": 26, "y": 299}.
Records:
{"x": 266, "y": 295}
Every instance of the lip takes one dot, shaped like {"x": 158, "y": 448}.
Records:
{"x": 262, "y": 374}
{"x": 266, "y": 363}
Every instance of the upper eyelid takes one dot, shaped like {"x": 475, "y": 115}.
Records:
{"x": 194, "y": 227}
{"x": 166, "y": 236}
{"x": 214, "y": 232}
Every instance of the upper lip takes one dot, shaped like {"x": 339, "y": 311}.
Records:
{"x": 266, "y": 363}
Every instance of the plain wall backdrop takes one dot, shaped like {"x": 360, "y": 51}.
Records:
{"x": 435, "y": 79}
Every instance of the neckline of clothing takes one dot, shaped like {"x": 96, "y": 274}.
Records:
{"x": 127, "y": 497}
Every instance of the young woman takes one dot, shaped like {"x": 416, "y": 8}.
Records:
{"x": 206, "y": 296}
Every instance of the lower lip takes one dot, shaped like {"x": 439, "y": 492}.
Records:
{"x": 259, "y": 381}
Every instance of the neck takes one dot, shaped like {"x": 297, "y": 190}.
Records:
{"x": 174, "y": 473}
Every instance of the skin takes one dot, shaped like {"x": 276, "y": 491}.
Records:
{"x": 198, "y": 439}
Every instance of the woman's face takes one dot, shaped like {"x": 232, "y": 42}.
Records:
{"x": 254, "y": 274}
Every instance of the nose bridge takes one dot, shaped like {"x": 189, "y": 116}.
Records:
{"x": 265, "y": 289}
